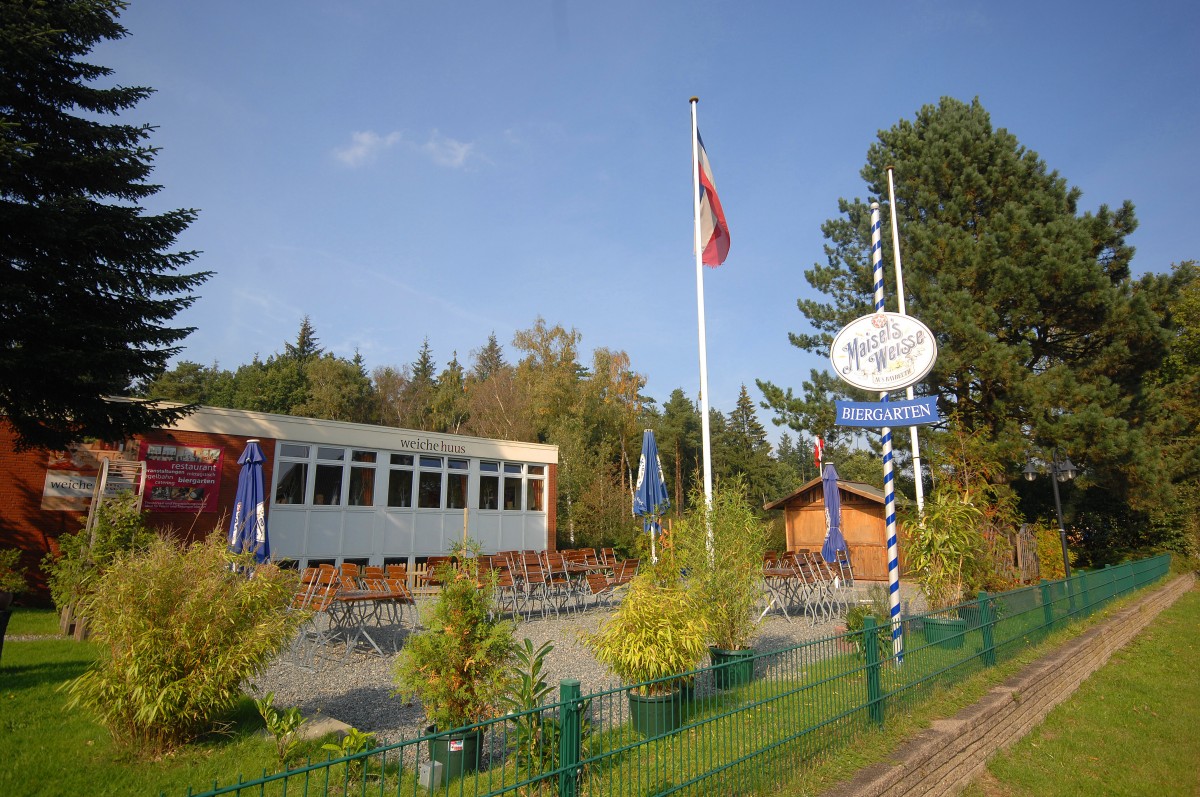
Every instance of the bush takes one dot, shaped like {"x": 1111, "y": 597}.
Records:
{"x": 12, "y": 575}
{"x": 879, "y": 609}
{"x": 120, "y": 528}
{"x": 1049, "y": 553}
{"x": 179, "y": 632}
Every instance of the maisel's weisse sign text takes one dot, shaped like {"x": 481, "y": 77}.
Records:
{"x": 883, "y": 351}
{"x": 887, "y": 413}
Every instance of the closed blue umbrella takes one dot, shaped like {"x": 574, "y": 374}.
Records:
{"x": 834, "y": 539}
{"x": 248, "y": 528}
{"x": 650, "y": 497}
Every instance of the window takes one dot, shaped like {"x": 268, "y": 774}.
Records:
{"x": 512, "y": 485}
{"x": 362, "y": 478}
{"x": 400, "y": 481}
{"x": 534, "y": 501}
{"x": 456, "y": 483}
{"x": 489, "y": 485}
{"x": 293, "y": 478}
{"x": 293, "y": 451}
{"x": 327, "y": 490}
{"x": 429, "y": 483}
{"x": 327, "y": 487}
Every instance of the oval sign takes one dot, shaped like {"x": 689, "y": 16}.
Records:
{"x": 883, "y": 351}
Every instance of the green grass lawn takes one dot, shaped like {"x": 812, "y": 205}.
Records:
{"x": 1133, "y": 728}
{"x": 47, "y": 750}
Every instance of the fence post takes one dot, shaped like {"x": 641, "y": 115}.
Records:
{"x": 569, "y": 741}
{"x": 1069, "y": 584}
{"x": 1047, "y": 606}
{"x": 986, "y": 622}
{"x": 870, "y": 634}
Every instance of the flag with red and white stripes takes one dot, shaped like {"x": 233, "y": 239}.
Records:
{"x": 714, "y": 232}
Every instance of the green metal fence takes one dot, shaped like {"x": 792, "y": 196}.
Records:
{"x": 800, "y": 707}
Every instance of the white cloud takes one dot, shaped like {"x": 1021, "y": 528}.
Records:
{"x": 364, "y": 147}
{"x": 447, "y": 151}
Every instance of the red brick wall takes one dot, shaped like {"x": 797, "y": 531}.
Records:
{"x": 552, "y": 509}
{"x": 25, "y": 525}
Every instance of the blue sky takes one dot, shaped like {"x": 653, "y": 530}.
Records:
{"x": 403, "y": 170}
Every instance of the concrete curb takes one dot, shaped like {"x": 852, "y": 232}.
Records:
{"x": 947, "y": 757}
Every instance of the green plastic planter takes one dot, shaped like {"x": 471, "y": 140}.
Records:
{"x": 458, "y": 753}
{"x": 739, "y": 670}
{"x": 945, "y": 632}
{"x": 656, "y": 715}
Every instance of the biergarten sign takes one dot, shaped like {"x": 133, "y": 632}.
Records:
{"x": 887, "y": 413}
{"x": 883, "y": 351}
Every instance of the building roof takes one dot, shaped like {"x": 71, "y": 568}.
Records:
{"x": 250, "y": 423}
{"x": 868, "y": 491}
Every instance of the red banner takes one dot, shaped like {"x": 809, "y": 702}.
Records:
{"x": 181, "y": 478}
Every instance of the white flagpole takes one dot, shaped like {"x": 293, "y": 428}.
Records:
{"x": 704, "y": 425}
{"x": 912, "y": 430}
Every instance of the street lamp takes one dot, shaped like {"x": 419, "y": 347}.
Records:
{"x": 1059, "y": 472}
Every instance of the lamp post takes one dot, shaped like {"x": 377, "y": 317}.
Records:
{"x": 1059, "y": 472}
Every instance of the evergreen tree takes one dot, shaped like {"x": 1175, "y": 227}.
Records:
{"x": 305, "y": 348}
{"x": 740, "y": 448}
{"x": 449, "y": 411}
{"x": 489, "y": 360}
{"x": 87, "y": 281}
{"x": 679, "y": 446}
{"x": 419, "y": 390}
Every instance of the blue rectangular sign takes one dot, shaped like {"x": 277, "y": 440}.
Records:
{"x": 887, "y": 413}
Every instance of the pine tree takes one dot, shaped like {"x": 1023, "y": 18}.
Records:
{"x": 679, "y": 446}
{"x": 87, "y": 281}
{"x": 740, "y": 448}
{"x": 420, "y": 389}
{"x": 489, "y": 360}
{"x": 449, "y": 410}
{"x": 305, "y": 348}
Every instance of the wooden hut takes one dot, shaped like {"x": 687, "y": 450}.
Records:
{"x": 863, "y": 524}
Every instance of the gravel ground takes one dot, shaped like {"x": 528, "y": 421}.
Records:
{"x": 358, "y": 690}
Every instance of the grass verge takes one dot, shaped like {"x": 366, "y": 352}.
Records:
{"x": 1133, "y": 728}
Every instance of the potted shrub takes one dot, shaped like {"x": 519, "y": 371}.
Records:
{"x": 876, "y": 608}
{"x": 656, "y": 633}
{"x": 12, "y": 583}
{"x": 726, "y": 582}
{"x": 459, "y": 665}
{"x": 943, "y": 551}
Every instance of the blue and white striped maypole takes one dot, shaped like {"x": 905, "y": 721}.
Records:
{"x": 889, "y": 484}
